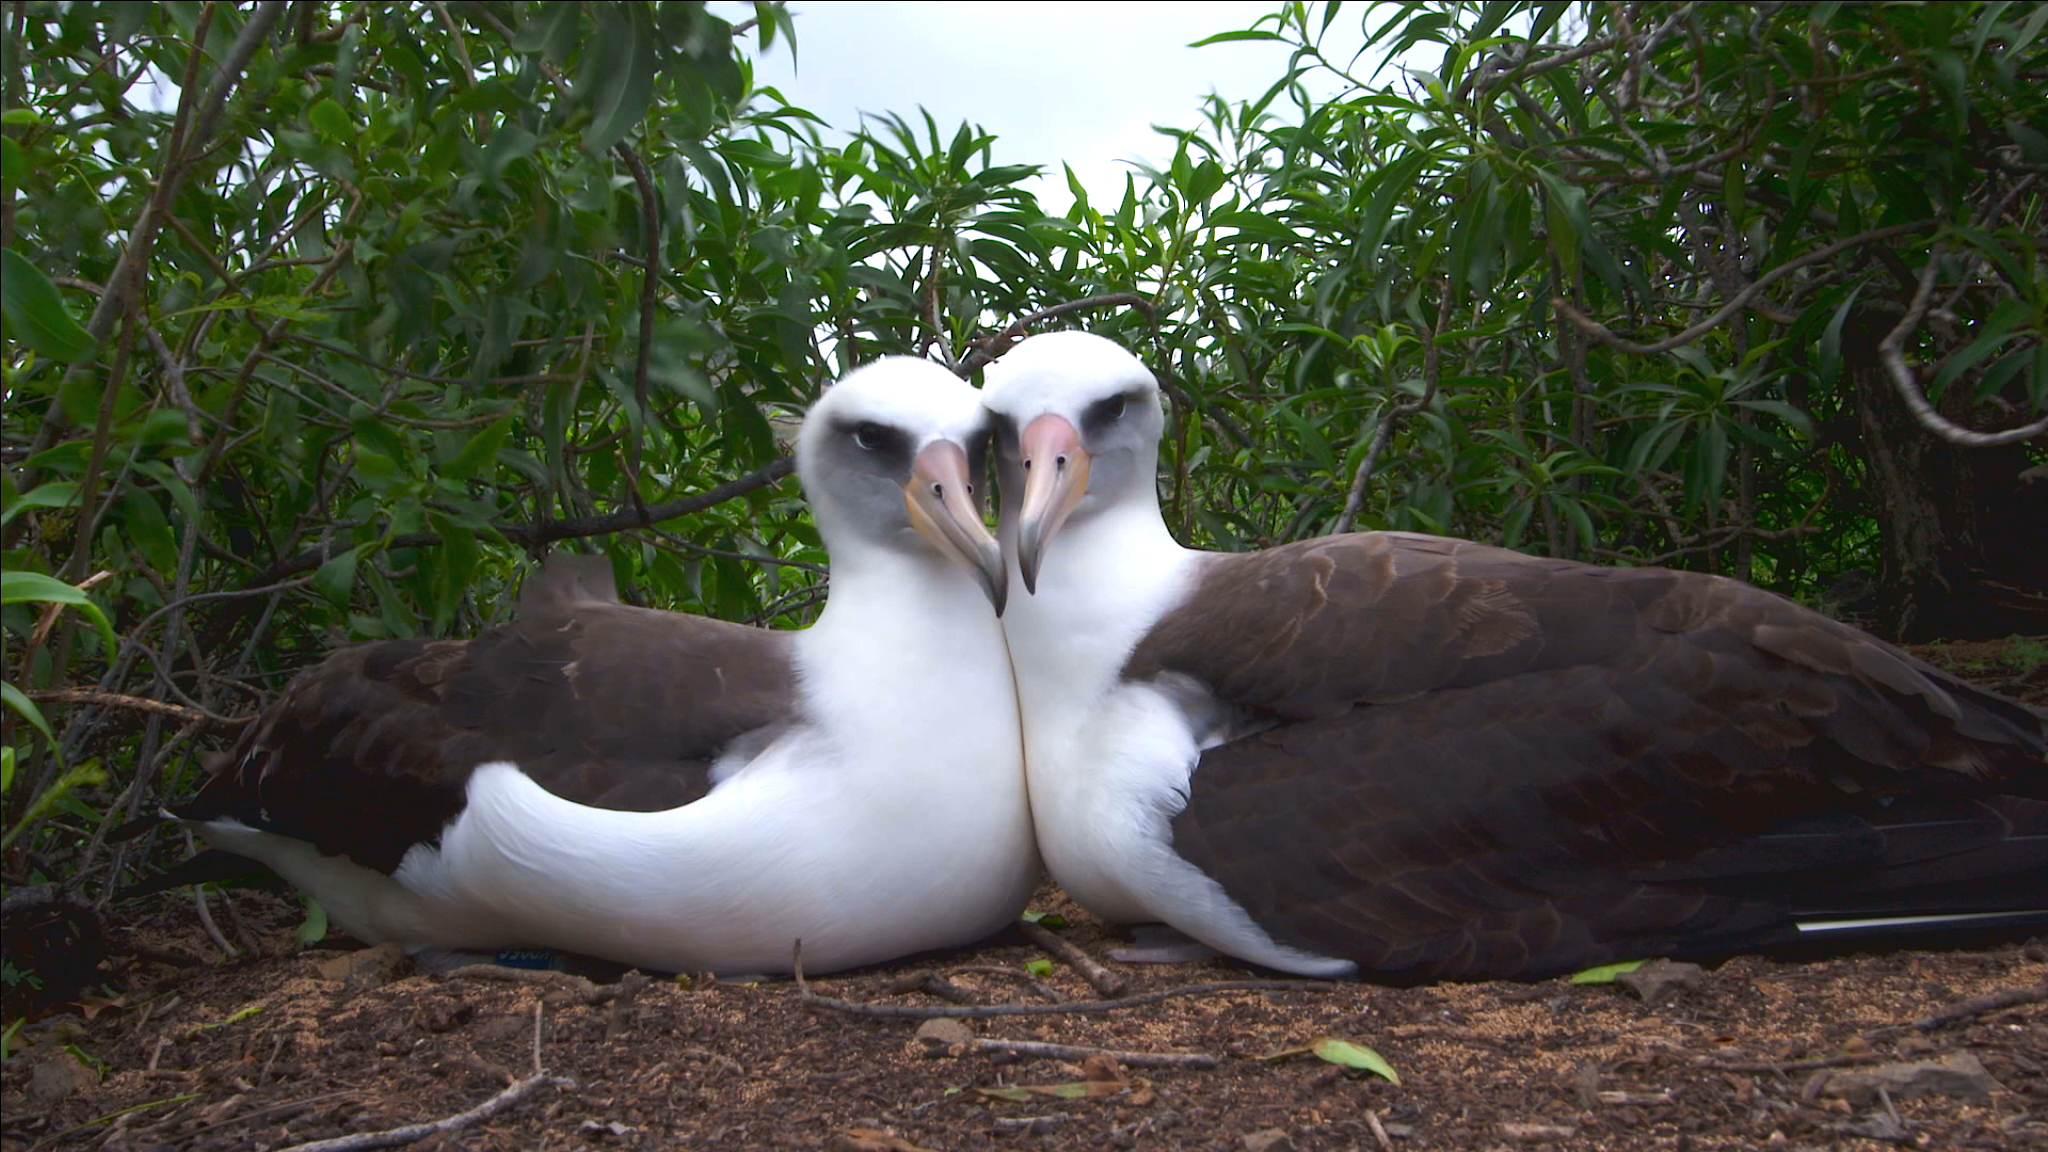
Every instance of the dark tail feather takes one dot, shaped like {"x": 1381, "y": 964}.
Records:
{"x": 211, "y": 866}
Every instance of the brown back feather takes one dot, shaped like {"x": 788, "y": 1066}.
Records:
{"x": 601, "y": 703}
{"x": 1477, "y": 755}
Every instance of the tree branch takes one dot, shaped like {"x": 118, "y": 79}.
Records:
{"x": 1909, "y": 388}
{"x": 1432, "y": 366}
{"x": 548, "y": 531}
{"x": 1600, "y": 332}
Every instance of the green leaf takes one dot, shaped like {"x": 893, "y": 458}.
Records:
{"x": 620, "y": 90}
{"x": 17, "y": 587}
{"x": 331, "y": 120}
{"x": 37, "y": 313}
{"x": 1239, "y": 35}
{"x": 13, "y": 164}
{"x": 19, "y": 701}
{"x": 335, "y": 577}
{"x": 1348, "y": 1055}
{"x": 482, "y": 449}
{"x": 1605, "y": 973}
{"x": 55, "y": 494}
{"x": 313, "y": 929}
{"x": 1040, "y": 967}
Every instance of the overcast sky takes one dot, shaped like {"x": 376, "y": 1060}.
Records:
{"x": 1081, "y": 83}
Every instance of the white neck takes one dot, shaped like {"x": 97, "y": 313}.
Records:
{"x": 1104, "y": 581}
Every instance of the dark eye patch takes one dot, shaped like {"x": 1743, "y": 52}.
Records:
{"x": 881, "y": 440}
{"x": 1101, "y": 414}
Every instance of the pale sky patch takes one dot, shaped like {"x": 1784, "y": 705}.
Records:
{"x": 1081, "y": 83}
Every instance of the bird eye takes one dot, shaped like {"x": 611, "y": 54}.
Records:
{"x": 870, "y": 436}
{"x": 1114, "y": 410}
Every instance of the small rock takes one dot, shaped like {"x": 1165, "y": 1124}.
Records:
{"x": 369, "y": 968}
{"x": 1957, "y": 1074}
{"x": 1660, "y": 978}
{"x": 945, "y": 1036}
{"x": 505, "y": 1026}
{"x": 1398, "y": 1131}
{"x": 1538, "y": 1133}
{"x": 1268, "y": 1140}
{"x": 59, "y": 1077}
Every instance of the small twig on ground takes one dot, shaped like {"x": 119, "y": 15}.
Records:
{"x": 1108, "y": 984}
{"x": 582, "y": 989}
{"x": 212, "y": 929}
{"x": 393, "y": 1137}
{"x": 920, "y": 1012}
{"x": 1379, "y": 1131}
{"x": 1082, "y": 1052}
{"x": 1975, "y": 1006}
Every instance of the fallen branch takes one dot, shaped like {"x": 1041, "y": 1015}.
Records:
{"x": 1976, "y": 1006}
{"x": 1072, "y": 1007}
{"x": 1082, "y": 1052}
{"x": 393, "y": 1137}
{"x": 1105, "y": 982}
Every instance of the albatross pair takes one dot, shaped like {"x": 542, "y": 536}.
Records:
{"x": 676, "y": 792}
{"x": 1420, "y": 758}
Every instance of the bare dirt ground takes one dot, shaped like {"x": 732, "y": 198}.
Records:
{"x": 288, "y": 1045}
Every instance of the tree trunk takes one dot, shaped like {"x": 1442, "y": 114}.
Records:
{"x": 1960, "y": 528}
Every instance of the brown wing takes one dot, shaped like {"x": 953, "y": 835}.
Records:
{"x": 605, "y": 704}
{"x": 1487, "y": 764}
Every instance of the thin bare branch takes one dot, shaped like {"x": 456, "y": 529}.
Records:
{"x": 1598, "y": 331}
{"x": 1908, "y": 388}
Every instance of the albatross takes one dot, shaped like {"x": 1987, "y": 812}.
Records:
{"x": 676, "y": 792}
{"x": 1414, "y": 758}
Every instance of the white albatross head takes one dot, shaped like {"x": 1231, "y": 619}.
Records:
{"x": 892, "y": 457}
{"x": 1078, "y": 420}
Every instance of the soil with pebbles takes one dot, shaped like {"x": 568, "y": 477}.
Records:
{"x": 289, "y": 1045}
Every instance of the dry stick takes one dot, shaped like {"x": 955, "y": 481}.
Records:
{"x": 1909, "y": 388}
{"x": 393, "y": 1137}
{"x": 1600, "y": 332}
{"x": 1105, "y": 982}
{"x": 1082, "y": 1052}
{"x": 138, "y": 703}
{"x": 1432, "y": 366}
{"x": 1976, "y": 1006}
{"x": 212, "y": 929}
{"x": 917, "y": 1012}
{"x": 1379, "y": 1131}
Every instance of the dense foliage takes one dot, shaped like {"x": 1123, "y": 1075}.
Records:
{"x": 322, "y": 318}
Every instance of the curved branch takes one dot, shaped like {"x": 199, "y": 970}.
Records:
{"x": 988, "y": 348}
{"x": 1600, "y": 332}
{"x": 1908, "y": 387}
